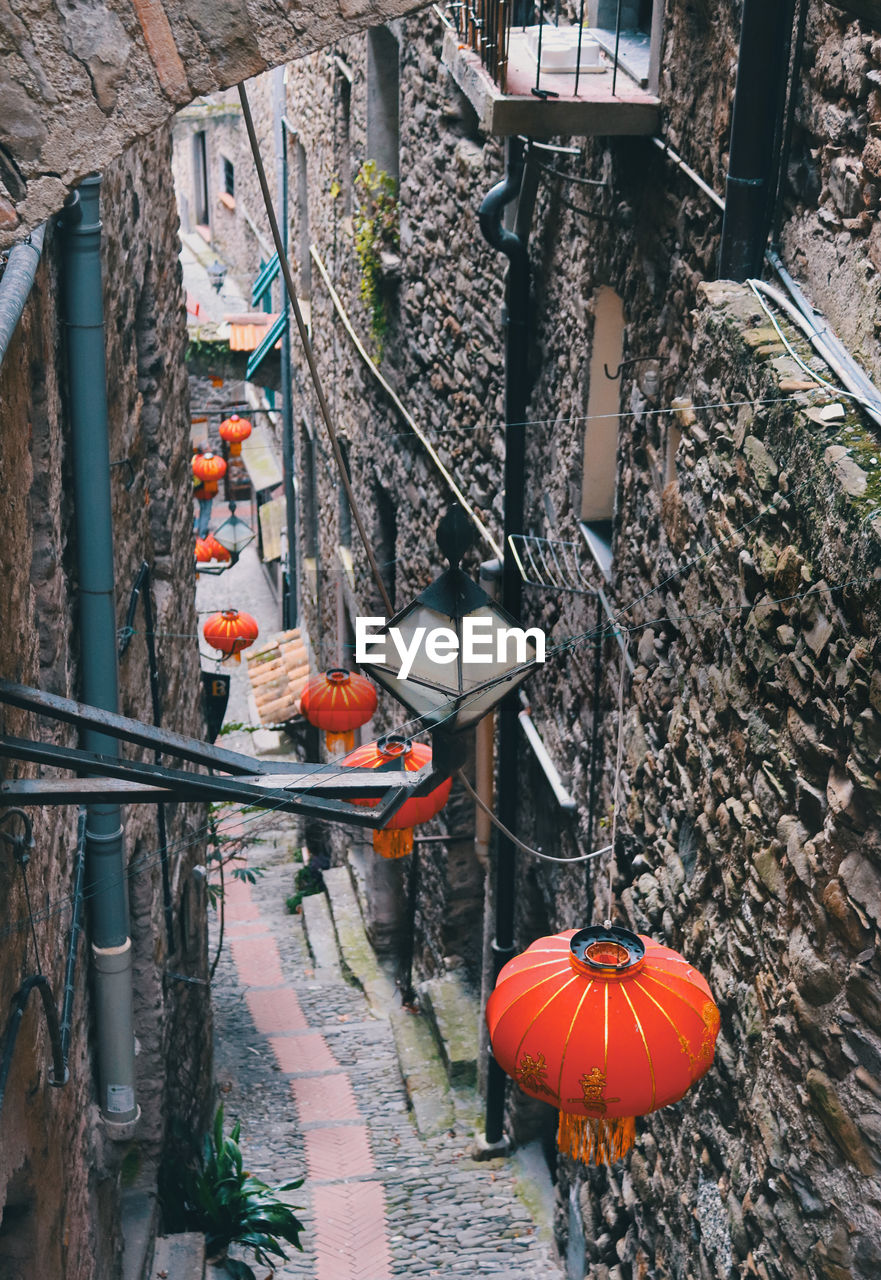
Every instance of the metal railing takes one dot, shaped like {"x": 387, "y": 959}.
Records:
{"x": 486, "y": 25}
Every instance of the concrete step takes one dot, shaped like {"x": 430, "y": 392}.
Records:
{"x": 453, "y": 1011}
{"x": 179, "y": 1257}
{"x": 320, "y": 937}
{"x": 421, "y": 1068}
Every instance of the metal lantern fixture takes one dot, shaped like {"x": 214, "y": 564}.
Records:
{"x": 234, "y": 534}
{"x": 230, "y": 631}
{"x": 395, "y": 840}
{"x": 234, "y": 430}
{"x": 451, "y": 689}
{"x": 338, "y": 702}
{"x": 605, "y": 1025}
{"x": 209, "y": 468}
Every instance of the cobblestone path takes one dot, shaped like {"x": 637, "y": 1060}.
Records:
{"x": 313, "y": 1075}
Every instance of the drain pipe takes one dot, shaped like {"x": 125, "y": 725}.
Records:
{"x": 762, "y": 67}
{"x": 105, "y": 855}
{"x": 17, "y": 282}
{"x": 514, "y": 319}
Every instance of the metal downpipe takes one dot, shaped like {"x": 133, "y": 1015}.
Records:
{"x": 105, "y": 856}
{"x": 17, "y": 282}
{"x": 762, "y": 67}
{"x": 515, "y": 321}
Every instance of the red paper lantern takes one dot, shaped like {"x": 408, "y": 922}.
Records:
{"x": 605, "y": 1025}
{"x": 234, "y": 430}
{"x": 217, "y": 550}
{"x": 338, "y": 702}
{"x": 230, "y": 632}
{"x": 203, "y": 551}
{"x": 395, "y": 840}
{"x": 209, "y": 468}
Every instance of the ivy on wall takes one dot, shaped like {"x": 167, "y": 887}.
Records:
{"x": 377, "y": 231}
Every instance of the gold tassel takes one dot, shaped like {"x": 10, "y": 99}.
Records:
{"x": 346, "y": 740}
{"x": 393, "y": 844}
{"x": 595, "y": 1141}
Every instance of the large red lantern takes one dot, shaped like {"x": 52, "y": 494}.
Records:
{"x": 604, "y": 1025}
{"x": 234, "y": 430}
{"x": 230, "y": 631}
{"x": 209, "y": 468}
{"x": 338, "y": 702}
{"x": 395, "y": 840}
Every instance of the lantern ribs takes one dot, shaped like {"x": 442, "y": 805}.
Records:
{"x": 319, "y": 790}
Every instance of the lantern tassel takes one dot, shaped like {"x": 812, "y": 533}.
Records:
{"x": 393, "y": 844}
{"x": 346, "y": 740}
{"x": 595, "y": 1141}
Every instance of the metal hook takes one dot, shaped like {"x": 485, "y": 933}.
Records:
{"x": 626, "y": 364}
{"x": 19, "y": 844}
{"x": 126, "y": 462}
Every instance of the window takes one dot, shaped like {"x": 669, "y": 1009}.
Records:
{"x": 200, "y": 178}
{"x": 385, "y": 539}
{"x": 229, "y": 177}
{"x": 640, "y": 44}
{"x": 600, "y": 474}
{"x": 344, "y": 138}
{"x": 383, "y": 98}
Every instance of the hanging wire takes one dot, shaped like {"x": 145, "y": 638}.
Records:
{"x": 535, "y": 853}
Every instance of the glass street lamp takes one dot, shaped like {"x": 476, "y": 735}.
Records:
{"x": 234, "y": 534}
{"x": 455, "y": 634}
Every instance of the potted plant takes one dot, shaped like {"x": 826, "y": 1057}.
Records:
{"x": 231, "y": 1206}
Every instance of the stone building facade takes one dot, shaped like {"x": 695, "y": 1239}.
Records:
{"x": 735, "y": 519}
{"x": 63, "y": 1181}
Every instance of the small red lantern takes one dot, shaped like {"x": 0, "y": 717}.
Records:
{"x": 203, "y": 551}
{"x": 234, "y": 430}
{"x": 395, "y": 840}
{"x": 209, "y": 468}
{"x": 216, "y": 549}
{"x": 605, "y": 1025}
{"x": 338, "y": 702}
{"x": 230, "y": 632}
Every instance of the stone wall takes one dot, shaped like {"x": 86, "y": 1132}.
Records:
{"x": 79, "y": 86}
{"x": 60, "y": 1178}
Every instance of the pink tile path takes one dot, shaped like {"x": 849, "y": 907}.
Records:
{"x": 351, "y": 1232}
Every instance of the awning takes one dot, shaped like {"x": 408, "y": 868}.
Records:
{"x": 261, "y": 463}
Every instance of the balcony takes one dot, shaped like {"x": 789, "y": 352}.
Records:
{"x": 544, "y": 80}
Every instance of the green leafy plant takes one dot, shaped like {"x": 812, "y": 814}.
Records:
{"x": 376, "y": 231}
{"x": 231, "y": 1206}
{"x": 308, "y": 880}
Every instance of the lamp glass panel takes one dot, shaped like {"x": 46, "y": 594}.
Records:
{"x": 234, "y": 534}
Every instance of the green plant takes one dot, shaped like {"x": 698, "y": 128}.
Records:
{"x": 308, "y": 880}
{"x": 231, "y": 1206}
{"x": 376, "y": 230}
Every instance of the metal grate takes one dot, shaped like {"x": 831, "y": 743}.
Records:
{"x": 552, "y": 564}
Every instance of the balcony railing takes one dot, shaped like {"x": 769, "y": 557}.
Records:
{"x": 526, "y": 70}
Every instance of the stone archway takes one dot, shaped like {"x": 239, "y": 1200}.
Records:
{"x": 85, "y": 78}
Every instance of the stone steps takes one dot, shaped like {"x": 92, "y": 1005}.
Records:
{"x": 421, "y": 1068}
{"x": 178, "y": 1257}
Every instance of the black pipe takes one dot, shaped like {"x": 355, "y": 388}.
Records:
{"x": 789, "y": 121}
{"x": 594, "y": 738}
{"x": 141, "y": 591}
{"x": 515, "y": 320}
{"x": 290, "y": 606}
{"x": 39, "y": 982}
{"x": 762, "y": 68}
{"x": 73, "y": 943}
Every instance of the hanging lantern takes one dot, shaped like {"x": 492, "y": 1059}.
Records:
{"x": 338, "y": 702}
{"x": 395, "y": 840}
{"x": 203, "y": 551}
{"x": 234, "y": 430}
{"x": 230, "y": 631}
{"x": 209, "y": 468}
{"x": 605, "y": 1025}
{"x": 217, "y": 551}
